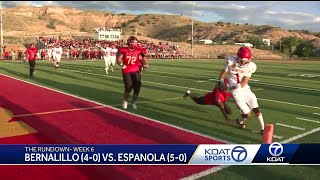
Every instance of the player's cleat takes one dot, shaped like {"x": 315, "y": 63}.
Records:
{"x": 262, "y": 132}
{"x": 125, "y": 104}
{"x": 134, "y": 106}
{"x": 240, "y": 124}
{"x": 186, "y": 94}
{"x": 107, "y": 71}
{"x": 111, "y": 69}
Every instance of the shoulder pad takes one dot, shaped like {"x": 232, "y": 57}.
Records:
{"x": 231, "y": 60}
{"x": 252, "y": 66}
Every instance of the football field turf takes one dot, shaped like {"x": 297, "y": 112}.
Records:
{"x": 288, "y": 93}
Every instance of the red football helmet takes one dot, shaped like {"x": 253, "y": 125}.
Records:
{"x": 244, "y": 55}
{"x": 132, "y": 42}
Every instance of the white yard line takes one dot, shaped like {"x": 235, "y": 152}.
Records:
{"x": 275, "y": 136}
{"x": 282, "y": 102}
{"x": 309, "y": 120}
{"x": 289, "y": 126}
{"x": 258, "y": 89}
{"x": 276, "y": 85}
{"x": 300, "y": 135}
{"x": 316, "y": 114}
{"x": 292, "y": 87}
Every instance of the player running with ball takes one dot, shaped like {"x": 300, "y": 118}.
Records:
{"x": 239, "y": 70}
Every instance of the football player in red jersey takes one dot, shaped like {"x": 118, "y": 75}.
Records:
{"x": 217, "y": 97}
{"x": 32, "y": 56}
{"x": 128, "y": 59}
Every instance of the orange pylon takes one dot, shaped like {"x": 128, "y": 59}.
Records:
{"x": 268, "y": 134}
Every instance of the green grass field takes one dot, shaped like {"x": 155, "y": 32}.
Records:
{"x": 288, "y": 93}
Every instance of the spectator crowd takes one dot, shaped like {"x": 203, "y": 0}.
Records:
{"x": 87, "y": 48}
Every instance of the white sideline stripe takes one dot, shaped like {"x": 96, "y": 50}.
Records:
{"x": 194, "y": 89}
{"x": 316, "y": 114}
{"x": 206, "y": 172}
{"x": 309, "y": 120}
{"x": 301, "y": 135}
{"x": 144, "y": 117}
{"x": 288, "y": 126}
{"x": 201, "y": 81}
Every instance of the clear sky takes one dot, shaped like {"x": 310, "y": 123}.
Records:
{"x": 302, "y": 15}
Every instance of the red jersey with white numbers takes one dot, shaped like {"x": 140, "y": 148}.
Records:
{"x": 131, "y": 59}
{"x": 32, "y": 53}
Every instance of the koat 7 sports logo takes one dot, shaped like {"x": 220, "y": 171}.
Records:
{"x": 275, "y": 150}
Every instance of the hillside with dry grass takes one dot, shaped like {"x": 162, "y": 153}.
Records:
{"x": 25, "y": 23}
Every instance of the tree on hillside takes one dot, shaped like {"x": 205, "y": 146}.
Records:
{"x": 256, "y": 41}
{"x": 288, "y": 44}
{"x": 305, "y": 49}
{"x": 51, "y": 25}
{"x": 84, "y": 26}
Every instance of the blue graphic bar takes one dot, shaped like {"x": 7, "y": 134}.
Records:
{"x": 167, "y": 154}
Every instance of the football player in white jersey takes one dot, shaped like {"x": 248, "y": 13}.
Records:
{"x": 106, "y": 50}
{"x": 113, "y": 54}
{"x": 239, "y": 70}
{"x": 57, "y": 52}
{"x": 49, "y": 52}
